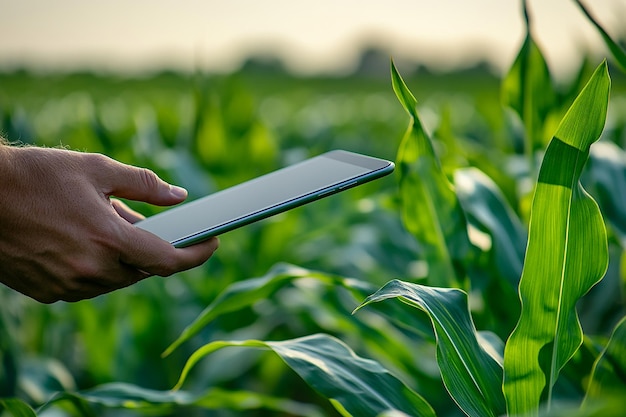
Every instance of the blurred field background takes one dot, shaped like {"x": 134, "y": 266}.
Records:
{"x": 206, "y": 129}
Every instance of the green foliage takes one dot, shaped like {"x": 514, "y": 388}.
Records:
{"x": 245, "y": 293}
{"x": 488, "y": 248}
{"x": 566, "y": 255}
{"x": 610, "y": 367}
{"x": 488, "y": 211}
{"x": 471, "y": 375}
{"x": 125, "y": 396}
{"x": 528, "y": 90}
{"x": 616, "y": 50}
{"x": 430, "y": 209}
{"x": 356, "y": 386}
{"x": 16, "y": 407}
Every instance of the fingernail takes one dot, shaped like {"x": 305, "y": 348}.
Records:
{"x": 178, "y": 192}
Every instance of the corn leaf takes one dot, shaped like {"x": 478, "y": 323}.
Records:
{"x": 606, "y": 174}
{"x": 8, "y": 356}
{"x": 122, "y": 395}
{"x": 245, "y": 400}
{"x": 498, "y": 232}
{"x": 471, "y": 375}
{"x": 244, "y": 293}
{"x": 487, "y": 209}
{"x": 354, "y": 385}
{"x": 393, "y": 414}
{"x": 16, "y": 408}
{"x": 404, "y": 95}
{"x": 119, "y": 395}
{"x": 567, "y": 254}
{"x": 608, "y": 377}
{"x": 616, "y": 50}
{"x": 430, "y": 209}
{"x": 607, "y": 407}
{"x": 527, "y": 88}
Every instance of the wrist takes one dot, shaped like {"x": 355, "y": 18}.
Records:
{"x": 5, "y": 150}
{"x": 10, "y": 170}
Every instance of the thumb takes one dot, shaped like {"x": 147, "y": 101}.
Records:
{"x": 139, "y": 184}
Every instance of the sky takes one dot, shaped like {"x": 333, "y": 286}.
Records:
{"x": 311, "y": 36}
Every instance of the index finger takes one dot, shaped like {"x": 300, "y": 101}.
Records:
{"x": 134, "y": 183}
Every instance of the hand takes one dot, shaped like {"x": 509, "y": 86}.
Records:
{"x": 63, "y": 238}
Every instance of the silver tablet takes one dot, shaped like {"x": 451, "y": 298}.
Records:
{"x": 265, "y": 196}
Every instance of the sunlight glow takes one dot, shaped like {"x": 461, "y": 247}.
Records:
{"x": 311, "y": 36}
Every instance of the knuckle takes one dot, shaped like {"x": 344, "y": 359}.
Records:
{"x": 83, "y": 269}
{"x": 148, "y": 178}
{"x": 60, "y": 291}
{"x": 96, "y": 165}
{"x": 96, "y": 161}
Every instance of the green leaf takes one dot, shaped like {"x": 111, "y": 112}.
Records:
{"x": 567, "y": 254}
{"x": 245, "y": 400}
{"x": 16, "y": 407}
{"x": 42, "y": 378}
{"x": 357, "y": 386}
{"x": 244, "y": 293}
{"x": 606, "y": 174}
{"x": 471, "y": 375}
{"x": 616, "y": 50}
{"x": 605, "y": 407}
{"x": 527, "y": 88}
{"x": 430, "y": 209}
{"x": 8, "y": 356}
{"x": 608, "y": 377}
{"x": 122, "y": 395}
{"x": 487, "y": 209}
{"x": 127, "y": 396}
{"x": 492, "y": 344}
{"x": 407, "y": 99}
{"x": 499, "y": 233}
{"x": 395, "y": 413}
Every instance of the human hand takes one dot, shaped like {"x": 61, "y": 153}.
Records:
{"x": 63, "y": 238}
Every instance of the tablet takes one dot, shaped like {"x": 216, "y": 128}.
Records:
{"x": 265, "y": 196}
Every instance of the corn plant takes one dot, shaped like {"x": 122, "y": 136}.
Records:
{"x": 565, "y": 256}
{"x": 490, "y": 326}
